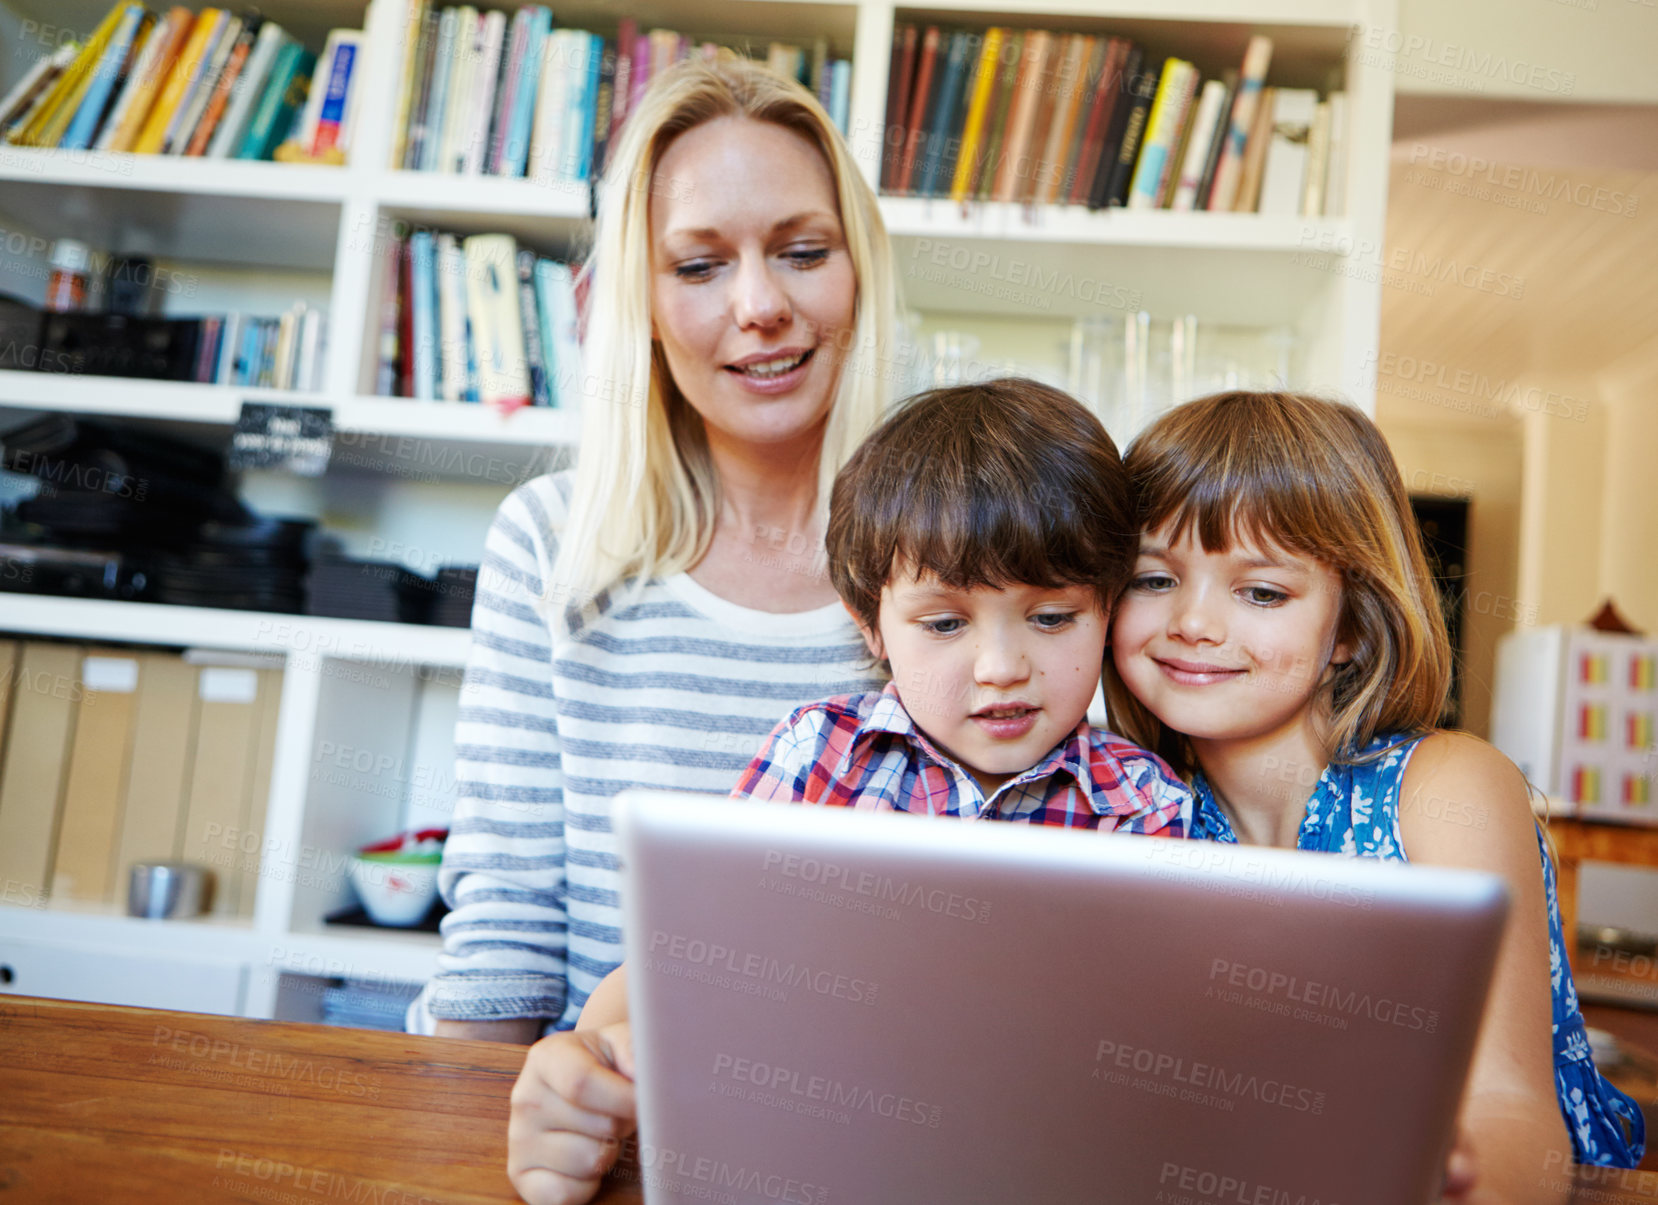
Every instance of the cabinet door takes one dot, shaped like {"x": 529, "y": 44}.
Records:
{"x": 104, "y": 977}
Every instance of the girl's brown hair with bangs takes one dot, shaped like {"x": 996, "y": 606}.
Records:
{"x": 1313, "y": 477}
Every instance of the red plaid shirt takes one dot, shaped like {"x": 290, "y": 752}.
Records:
{"x": 863, "y": 751}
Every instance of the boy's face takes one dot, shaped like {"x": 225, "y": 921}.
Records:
{"x": 995, "y": 678}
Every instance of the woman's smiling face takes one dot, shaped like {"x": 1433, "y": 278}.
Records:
{"x": 752, "y": 286}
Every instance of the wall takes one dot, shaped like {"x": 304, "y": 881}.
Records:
{"x": 1629, "y": 531}
{"x": 1482, "y": 463}
{"x": 1564, "y": 498}
{"x": 1531, "y": 49}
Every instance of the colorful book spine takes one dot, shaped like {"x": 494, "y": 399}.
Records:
{"x": 457, "y": 105}
{"x": 548, "y": 129}
{"x": 84, "y": 126}
{"x": 1100, "y": 186}
{"x": 534, "y": 356}
{"x": 284, "y": 93}
{"x": 604, "y": 101}
{"x": 308, "y": 356}
{"x": 840, "y": 95}
{"x": 516, "y": 152}
{"x": 217, "y": 104}
{"x": 640, "y": 77}
{"x": 921, "y": 96}
{"x": 414, "y": 33}
{"x": 442, "y": 65}
{"x": 1088, "y": 89}
{"x": 556, "y": 304}
{"x": 1134, "y": 130}
{"x": 1061, "y": 128}
{"x": 584, "y": 105}
{"x": 45, "y": 126}
{"x": 1248, "y": 196}
{"x": 1048, "y": 87}
{"x": 229, "y": 341}
{"x": 1159, "y": 136}
{"x": 900, "y": 73}
{"x": 984, "y": 172}
{"x": 197, "y": 83}
{"x": 387, "y": 350}
{"x": 35, "y": 82}
{"x": 512, "y": 68}
{"x": 1335, "y": 179}
{"x": 1185, "y": 110}
{"x": 1228, "y": 170}
{"x": 405, "y": 320}
{"x": 1106, "y": 89}
{"x": 452, "y": 317}
{"x": 497, "y": 325}
{"x": 335, "y": 91}
{"x": 485, "y": 82}
{"x": 1284, "y": 172}
{"x": 627, "y": 31}
{"x": 246, "y": 89}
{"x": 972, "y": 135}
{"x": 167, "y": 42}
{"x": 1021, "y": 117}
{"x": 1318, "y": 162}
{"x": 190, "y": 115}
{"x": 950, "y": 86}
{"x": 423, "y": 303}
{"x": 420, "y": 90}
{"x": 953, "y": 123}
{"x": 1207, "y": 184}
{"x": 1205, "y": 126}
{"x": 185, "y": 71}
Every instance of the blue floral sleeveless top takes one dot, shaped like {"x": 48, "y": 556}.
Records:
{"x": 1354, "y": 810}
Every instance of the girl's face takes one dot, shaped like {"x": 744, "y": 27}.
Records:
{"x": 751, "y": 280}
{"x": 1227, "y": 646}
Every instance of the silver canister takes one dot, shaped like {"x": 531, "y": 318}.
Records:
{"x": 167, "y": 889}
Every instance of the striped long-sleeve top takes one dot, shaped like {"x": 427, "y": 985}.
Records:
{"x": 675, "y": 688}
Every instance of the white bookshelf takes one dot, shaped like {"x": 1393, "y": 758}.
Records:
{"x": 381, "y": 685}
{"x": 262, "y": 632}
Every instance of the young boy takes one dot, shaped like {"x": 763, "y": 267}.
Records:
{"x": 978, "y": 537}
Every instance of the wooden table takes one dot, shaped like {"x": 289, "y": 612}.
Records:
{"x": 101, "y": 1103}
{"x": 1577, "y": 841}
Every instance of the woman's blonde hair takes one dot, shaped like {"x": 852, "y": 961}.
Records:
{"x": 646, "y": 496}
{"x": 1314, "y": 477}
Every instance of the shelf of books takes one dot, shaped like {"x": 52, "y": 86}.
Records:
{"x": 384, "y": 207}
{"x": 1120, "y": 151}
{"x": 1078, "y": 164}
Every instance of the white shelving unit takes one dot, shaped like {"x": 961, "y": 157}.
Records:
{"x": 386, "y": 687}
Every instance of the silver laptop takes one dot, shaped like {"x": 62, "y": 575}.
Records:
{"x": 840, "y": 1008}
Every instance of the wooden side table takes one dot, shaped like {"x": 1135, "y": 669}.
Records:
{"x": 1578, "y": 840}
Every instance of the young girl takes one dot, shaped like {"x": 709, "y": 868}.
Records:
{"x": 1281, "y": 644}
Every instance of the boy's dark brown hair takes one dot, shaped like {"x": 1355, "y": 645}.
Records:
{"x": 997, "y": 483}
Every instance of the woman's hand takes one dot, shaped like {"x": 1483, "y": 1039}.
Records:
{"x": 572, "y": 1107}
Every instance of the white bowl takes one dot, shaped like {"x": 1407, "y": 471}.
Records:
{"x": 395, "y": 893}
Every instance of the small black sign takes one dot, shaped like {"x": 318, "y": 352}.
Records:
{"x": 297, "y": 438}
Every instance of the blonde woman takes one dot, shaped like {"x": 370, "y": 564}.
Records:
{"x": 647, "y": 618}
